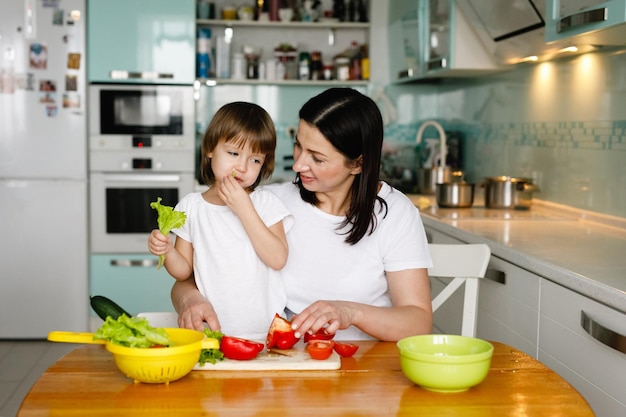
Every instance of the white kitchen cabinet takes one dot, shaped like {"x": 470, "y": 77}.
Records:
{"x": 131, "y": 280}
{"x": 134, "y": 41}
{"x": 586, "y": 21}
{"x": 508, "y": 306}
{"x": 591, "y": 366}
{"x": 433, "y": 39}
{"x": 508, "y": 303}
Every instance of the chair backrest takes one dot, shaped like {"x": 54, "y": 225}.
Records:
{"x": 465, "y": 264}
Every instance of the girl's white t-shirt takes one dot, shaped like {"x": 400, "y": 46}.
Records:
{"x": 321, "y": 266}
{"x": 244, "y": 292}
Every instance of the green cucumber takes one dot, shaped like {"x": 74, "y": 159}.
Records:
{"x": 105, "y": 307}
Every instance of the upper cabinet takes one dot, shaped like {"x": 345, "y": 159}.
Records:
{"x": 134, "y": 41}
{"x": 433, "y": 39}
{"x": 591, "y": 22}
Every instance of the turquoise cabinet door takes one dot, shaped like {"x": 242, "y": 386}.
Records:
{"x": 600, "y": 23}
{"x": 143, "y": 38}
{"x": 132, "y": 281}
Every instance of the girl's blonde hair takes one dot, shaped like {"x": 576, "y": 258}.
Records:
{"x": 240, "y": 123}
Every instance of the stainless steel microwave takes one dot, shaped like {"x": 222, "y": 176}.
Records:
{"x": 156, "y": 116}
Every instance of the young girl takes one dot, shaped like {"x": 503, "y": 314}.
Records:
{"x": 233, "y": 242}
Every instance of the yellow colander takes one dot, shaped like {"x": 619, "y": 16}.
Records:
{"x": 151, "y": 365}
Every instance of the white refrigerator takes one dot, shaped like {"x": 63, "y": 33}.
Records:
{"x": 43, "y": 168}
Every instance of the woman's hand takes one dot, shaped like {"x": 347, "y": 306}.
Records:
{"x": 193, "y": 309}
{"x": 334, "y": 315}
{"x": 158, "y": 243}
{"x": 410, "y": 312}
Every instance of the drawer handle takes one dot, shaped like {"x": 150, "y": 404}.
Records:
{"x": 602, "y": 334}
{"x": 495, "y": 275}
{"x": 138, "y": 75}
{"x": 582, "y": 19}
{"x": 125, "y": 263}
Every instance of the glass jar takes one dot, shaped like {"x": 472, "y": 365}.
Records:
{"x": 342, "y": 68}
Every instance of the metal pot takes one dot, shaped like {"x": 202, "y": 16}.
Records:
{"x": 428, "y": 178}
{"x": 455, "y": 194}
{"x": 509, "y": 192}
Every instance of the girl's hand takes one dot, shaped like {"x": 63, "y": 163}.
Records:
{"x": 233, "y": 194}
{"x": 158, "y": 243}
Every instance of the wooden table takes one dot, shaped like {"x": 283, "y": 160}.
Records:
{"x": 86, "y": 382}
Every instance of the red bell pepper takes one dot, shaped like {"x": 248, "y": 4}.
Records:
{"x": 240, "y": 349}
{"x": 319, "y": 335}
{"x": 280, "y": 334}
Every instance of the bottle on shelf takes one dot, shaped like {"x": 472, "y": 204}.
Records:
{"x": 317, "y": 69}
{"x": 304, "y": 71}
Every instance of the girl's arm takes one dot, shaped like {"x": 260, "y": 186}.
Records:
{"x": 269, "y": 243}
{"x": 178, "y": 258}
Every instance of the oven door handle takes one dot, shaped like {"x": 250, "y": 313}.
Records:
{"x": 142, "y": 178}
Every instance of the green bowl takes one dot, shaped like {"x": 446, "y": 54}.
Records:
{"x": 445, "y": 363}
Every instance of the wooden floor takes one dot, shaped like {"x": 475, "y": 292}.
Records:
{"x": 21, "y": 364}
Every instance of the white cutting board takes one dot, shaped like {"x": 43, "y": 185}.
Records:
{"x": 298, "y": 360}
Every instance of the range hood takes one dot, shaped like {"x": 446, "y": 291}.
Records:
{"x": 513, "y": 31}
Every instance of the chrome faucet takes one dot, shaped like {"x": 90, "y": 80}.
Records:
{"x": 442, "y": 138}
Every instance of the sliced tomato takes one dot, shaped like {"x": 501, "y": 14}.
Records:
{"x": 319, "y": 335}
{"x": 280, "y": 335}
{"x": 320, "y": 349}
{"x": 240, "y": 349}
{"x": 345, "y": 349}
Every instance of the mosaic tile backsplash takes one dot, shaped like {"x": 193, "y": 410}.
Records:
{"x": 561, "y": 123}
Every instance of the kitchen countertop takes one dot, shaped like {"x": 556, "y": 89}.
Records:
{"x": 580, "y": 250}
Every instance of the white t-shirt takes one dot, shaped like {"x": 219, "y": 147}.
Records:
{"x": 244, "y": 292}
{"x": 321, "y": 266}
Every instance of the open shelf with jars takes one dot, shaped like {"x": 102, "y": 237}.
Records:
{"x": 257, "y": 50}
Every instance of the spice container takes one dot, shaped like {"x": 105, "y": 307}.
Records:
{"x": 316, "y": 66}
{"x": 342, "y": 68}
{"x": 304, "y": 66}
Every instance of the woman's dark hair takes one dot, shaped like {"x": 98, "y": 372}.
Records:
{"x": 241, "y": 123}
{"x": 353, "y": 124}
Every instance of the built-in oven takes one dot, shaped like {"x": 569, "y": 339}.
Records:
{"x": 141, "y": 147}
{"x": 121, "y": 216}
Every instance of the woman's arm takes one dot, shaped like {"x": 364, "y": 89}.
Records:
{"x": 410, "y": 313}
{"x": 193, "y": 309}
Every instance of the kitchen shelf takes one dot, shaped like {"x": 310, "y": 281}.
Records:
{"x": 283, "y": 25}
{"x": 211, "y": 82}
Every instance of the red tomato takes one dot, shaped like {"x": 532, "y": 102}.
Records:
{"x": 345, "y": 349}
{"x": 319, "y": 335}
{"x": 240, "y": 349}
{"x": 280, "y": 334}
{"x": 320, "y": 349}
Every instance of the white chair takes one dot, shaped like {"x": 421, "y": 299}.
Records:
{"x": 161, "y": 318}
{"x": 465, "y": 264}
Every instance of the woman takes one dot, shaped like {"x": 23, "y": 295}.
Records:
{"x": 358, "y": 252}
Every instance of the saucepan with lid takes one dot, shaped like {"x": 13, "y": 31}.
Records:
{"x": 455, "y": 194}
{"x": 506, "y": 192}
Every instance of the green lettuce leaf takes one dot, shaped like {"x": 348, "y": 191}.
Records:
{"x": 212, "y": 355}
{"x": 132, "y": 332}
{"x": 167, "y": 219}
